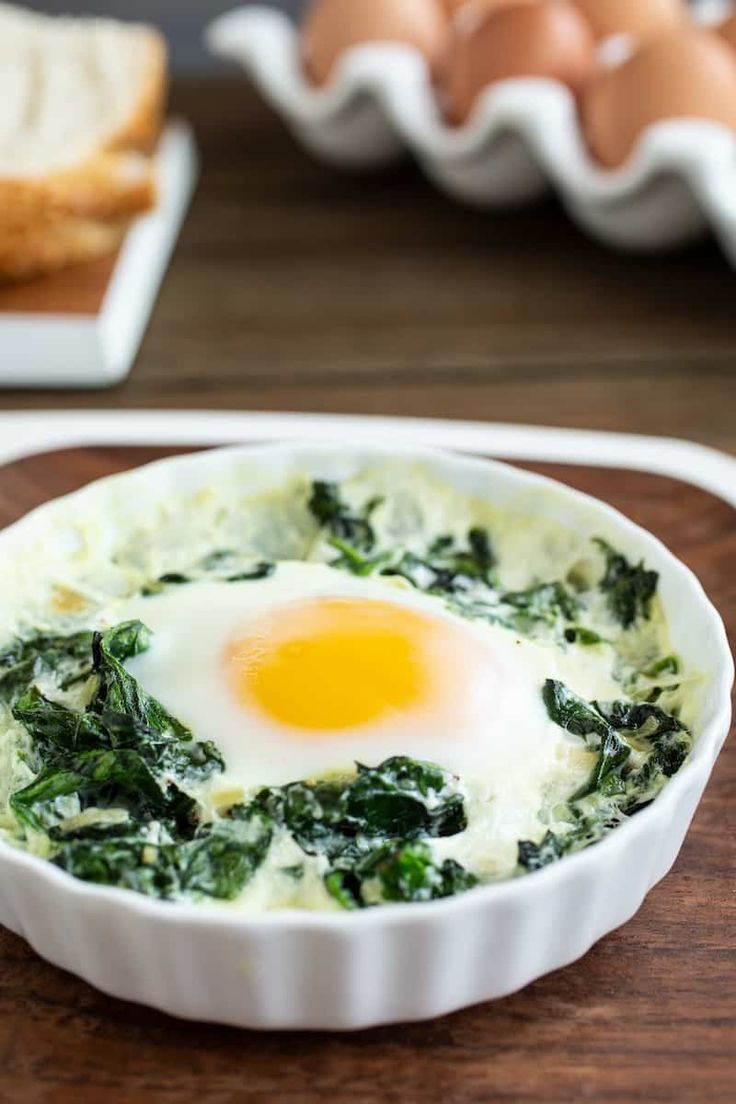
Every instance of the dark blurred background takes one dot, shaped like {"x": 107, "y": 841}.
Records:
{"x": 181, "y": 20}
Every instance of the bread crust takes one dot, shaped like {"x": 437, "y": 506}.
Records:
{"x": 142, "y": 130}
{"x": 54, "y": 243}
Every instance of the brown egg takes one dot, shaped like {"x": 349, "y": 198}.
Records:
{"x": 331, "y": 27}
{"x": 728, "y": 30}
{"x": 639, "y": 18}
{"x": 549, "y": 39}
{"x": 682, "y": 74}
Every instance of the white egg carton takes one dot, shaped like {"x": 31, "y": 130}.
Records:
{"x": 523, "y": 139}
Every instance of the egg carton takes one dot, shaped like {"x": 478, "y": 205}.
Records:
{"x": 523, "y": 140}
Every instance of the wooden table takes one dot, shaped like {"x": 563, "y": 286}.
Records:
{"x": 296, "y": 288}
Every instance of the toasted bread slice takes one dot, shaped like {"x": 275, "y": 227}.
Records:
{"x": 36, "y": 250}
{"x": 81, "y": 102}
{"x": 110, "y": 185}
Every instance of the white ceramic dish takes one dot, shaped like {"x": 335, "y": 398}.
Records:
{"x": 403, "y": 962}
{"x": 523, "y": 139}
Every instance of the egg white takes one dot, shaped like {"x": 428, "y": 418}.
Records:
{"x": 500, "y": 740}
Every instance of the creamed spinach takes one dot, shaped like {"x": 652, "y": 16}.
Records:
{"x": 113, "y": 781}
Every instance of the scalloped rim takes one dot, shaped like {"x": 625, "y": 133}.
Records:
{"x": 681, "y": 177}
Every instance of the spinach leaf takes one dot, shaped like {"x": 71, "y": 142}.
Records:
{"x": 397, "y": 871}
{"x": 226, "y": 565}
{"x": 260, "y": 570}
{"x": 472, "y": 562}
{"x": 25, "y": 658}
{"x": 407, "y": 872}
{"x": 312, "y": 812}
{"x": 629, "y": 588}
{"x": 159, "y": 735}
{"x": 534, "y": 856}
{"x": 650, "y": 683}
{"x": 345, "y": 887}
{"x": 667, "y": 665}
{"x": 584, "y": 829}
{"x": 583, "y": 719}
{"x": 99, "y": 777}
{"x": 639, "y": 747}
{"x": 351, "y": 527}
{"x": 123, "y": 750}
{"x": 192, "y": 760}
{"x": 578, "y": 634}
{"x": 571, "y": 712}
{"x": 616, "y": 728}
{"x": 55, "y": 726}
{"x": 223, "y": 856}
{"x": 665, "y": 737}
{"x": 418, "y": 571}
{"x": 220, "y": 566}
{"x": 546, "y": 602}
{"x": 128, "y": 639}
{"x": 371, "y": 828}
{"x": 350, "y": 559}
{"x": 549, "y": 604}
{"x": 446, "y": 568}
{"x": 56, "y": 730}
{"x": 117, "y": 690}
{"x": 153, "y": 859}
{"x": 606, "y": 778}
{"x": 126, "y": 752}
{"x": 403, "y": 798}
{"x": 144, "y": 859}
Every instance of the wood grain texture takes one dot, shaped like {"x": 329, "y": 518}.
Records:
{"x": 647, "y": 1016}
{"x": 296, "y": 287}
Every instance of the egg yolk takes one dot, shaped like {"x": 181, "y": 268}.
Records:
{"x": 325, "y": 665}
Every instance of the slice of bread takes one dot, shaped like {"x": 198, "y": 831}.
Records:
{"x": 44, "y": 247}
{"x": 81, "y": 102}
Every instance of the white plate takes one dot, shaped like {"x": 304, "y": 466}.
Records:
{"x": 403, "y": 962}
{"x": 45, "y": 349}
{"x": 523, "y": 139}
